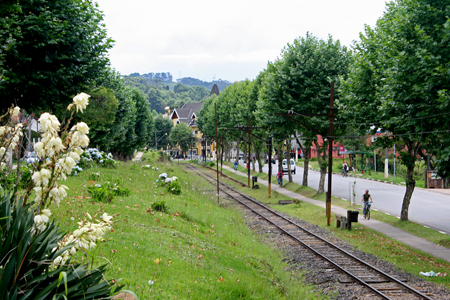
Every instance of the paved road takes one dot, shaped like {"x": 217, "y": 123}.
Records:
{"x": 427, "y": 207}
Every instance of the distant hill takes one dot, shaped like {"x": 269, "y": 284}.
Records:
{"x": 167, "y": 78}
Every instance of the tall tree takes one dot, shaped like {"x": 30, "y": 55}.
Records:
{"x": 299, "y": 81}
{"x": 399, "y": 81}
{"x": 181, "y": 135}
{"x": 51, "y": 50}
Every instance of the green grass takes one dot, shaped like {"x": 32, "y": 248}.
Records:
{"x": 200, "y": 249}
{"x": 365, "y": 239}
{"x": 337, "y": 169}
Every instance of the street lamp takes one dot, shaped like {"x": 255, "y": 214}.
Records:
{"x": 157, "y": 140}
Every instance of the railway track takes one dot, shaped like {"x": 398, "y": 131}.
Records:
{"x": 349, "y": 268}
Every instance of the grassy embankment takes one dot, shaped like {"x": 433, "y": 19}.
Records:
{"x": 367, "y": 240}
{"x": 199, "y": 249}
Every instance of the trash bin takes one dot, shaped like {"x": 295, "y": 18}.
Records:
{"x": 254, "y": 179}
{"x": 352, "y": 215}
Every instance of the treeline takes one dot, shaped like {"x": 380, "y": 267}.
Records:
{"x": 394, "y": 82}
{"x": 164, "y": 76}
{"x": 221, "y": 84}
{"x": 159, "y": 95}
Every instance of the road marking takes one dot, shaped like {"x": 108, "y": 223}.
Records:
{"x": 442, "y": 232}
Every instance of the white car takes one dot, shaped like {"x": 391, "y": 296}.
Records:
{"x": 285, "y": 166}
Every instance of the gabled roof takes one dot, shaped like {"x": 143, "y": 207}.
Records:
{"x": 187, "y": 113}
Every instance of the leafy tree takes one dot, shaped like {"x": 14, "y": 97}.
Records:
{"x": 399, "y": 81}
{"x": 299, "y": 81}
{"x": 180, "y": 88}
{"x": 181, "y": 135}
{"x": 50, "y": 51}
{"x": 162, "y": 128}
{"x": 144, "y": 119}
{"x": 100, "y": 116}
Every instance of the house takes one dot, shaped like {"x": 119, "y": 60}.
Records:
{"x": 188, "y": 114}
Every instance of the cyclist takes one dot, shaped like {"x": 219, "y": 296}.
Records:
{"x": 280, "y": 178}
{"x": 365, "y": 199}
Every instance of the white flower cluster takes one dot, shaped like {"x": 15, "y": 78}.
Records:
{"x": 41, "y": 220}
{"x": 80, "y": 101}
{"x": 59, "y": 158}
{"x": 9, "y": 137}
{"x": 171, "y": 179}
{"x": 84, "y": 238}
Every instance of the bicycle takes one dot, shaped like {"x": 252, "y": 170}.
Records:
{"x": 367, "y": 215}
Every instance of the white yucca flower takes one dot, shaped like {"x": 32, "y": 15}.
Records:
{"x": 80, "y": 101}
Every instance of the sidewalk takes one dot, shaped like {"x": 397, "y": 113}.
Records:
{"x": 390, "y": 231}
{"x": 138, "y": 156}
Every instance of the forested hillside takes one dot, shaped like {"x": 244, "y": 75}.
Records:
{"x": 159, "y": 95}
{"x": 166, "y": 77}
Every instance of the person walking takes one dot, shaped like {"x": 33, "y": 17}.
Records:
{"x": 235, "y": 166}
{"x": 344, "y": 169}
{"x": 280, "y": 178}
{"x": 365, "y": 199}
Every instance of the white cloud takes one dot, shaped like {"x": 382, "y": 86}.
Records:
{"x": 232, "y": 39}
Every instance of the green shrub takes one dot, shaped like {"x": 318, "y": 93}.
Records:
{"x": 160, "y": 206}
{"x": 105, "y": 192}
{"x": 9, "y": 180}
{"x": 174, "y": 187}
{"x": 211, "y": 164}
{"x": 26, "y": 257}
{"x": 94, "y": 176}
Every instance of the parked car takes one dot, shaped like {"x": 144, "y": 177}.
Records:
{"x": 30, "y": 157}
{"x": 266, "y": 160}
{"x": 285, "y": 166}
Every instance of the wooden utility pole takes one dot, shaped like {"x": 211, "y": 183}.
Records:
{"x": 330, "y": 156}
{"x": 217, "y": 152}
{"x": 249, "y": 148}
{"x": 269, "y": 142}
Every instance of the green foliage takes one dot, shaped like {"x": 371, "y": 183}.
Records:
{"x": 174, "y": 187}
{"x": 159, "y": 95}
{"x": 94, "y": 176}
{"x": 221, "y": 84}
{"x": 162, "y": 129}
{"x": 9, "y": 178}
{"x": 160, "y": 206}
{"x": 181, "y": 135}
{"x": 105, "y": 192}
{"x": 51, "y": 50}
{"x": 399, "y": 82}
{"x": 26, "y": 257}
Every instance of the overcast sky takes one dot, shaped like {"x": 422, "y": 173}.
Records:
{"x": 231, "y": 40}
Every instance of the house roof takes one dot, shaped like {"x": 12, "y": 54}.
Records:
{"x": 187, "y": 113}
{"x": 215, "y": 90}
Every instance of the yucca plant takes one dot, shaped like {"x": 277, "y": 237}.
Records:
{"x": 26, "y": 256}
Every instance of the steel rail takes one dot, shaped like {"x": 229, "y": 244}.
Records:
{"x": 387, "y": 276}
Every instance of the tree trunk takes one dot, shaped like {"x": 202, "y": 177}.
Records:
{"x": 305, "y": 166}
{"x": 237, "y": 150}
{"x": 410, "y": 183}
{"x": 322, "y": 159}
{"x": 288, "y": 159}
{"x": 280, "y": 158}
{"x": 305, "y": 152}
